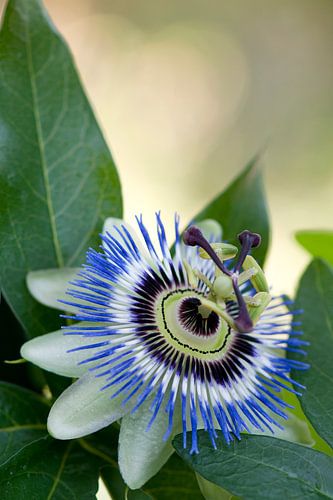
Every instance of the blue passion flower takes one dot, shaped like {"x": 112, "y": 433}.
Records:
{"x": 169, "y": 341}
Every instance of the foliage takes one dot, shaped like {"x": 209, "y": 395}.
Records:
{"x": 315, "y": 298}
{"x": 317, "y": 243}
{"x": 54, "y": 161}
{"x": 260, "y": 467}
{"x": 242, "y": 205}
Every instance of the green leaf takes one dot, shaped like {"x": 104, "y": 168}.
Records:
{"x": 48, "y": 469}
{"x": 315, "y": 298}
{"x": 22, "y": 419}
{"x": 24, "y": 374}
{"x": 174, "y": 480}
{"x": 317, "y": 243}
{"x": 32, "y": 465}
{"x": 103, "y": 444}
{"x": 139, "y": 495}
{"x": 58, "y": 181}
{"x": 10, "y": 349}
{"x": 242, "y": 206}
{"x": 263, "y": 468}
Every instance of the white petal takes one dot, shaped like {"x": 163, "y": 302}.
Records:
{"x": 83, "y": 409}
{"x": 142, "y": 453}
{"x": 50, "y": 353}
{"x": 111, "y": 224}
{"x": 49, "y": 285}
{"x": 211, "y": 229}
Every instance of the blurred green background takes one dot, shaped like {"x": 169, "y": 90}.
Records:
{"x": 187, "y": 92}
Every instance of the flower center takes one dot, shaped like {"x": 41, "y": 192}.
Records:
{"x": 196, "y": 318}
{"x": 190, "y": 325}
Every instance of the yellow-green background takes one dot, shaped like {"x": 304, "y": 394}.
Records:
{"x": 188, "y": 91}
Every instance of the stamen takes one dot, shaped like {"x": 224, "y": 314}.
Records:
{"x": 243, "y": 321}
{"x": 248, "y": 240}
{"x": 193, "y": 236}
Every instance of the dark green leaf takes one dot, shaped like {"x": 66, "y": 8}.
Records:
{"x": 24, "y": 374}
{"x": 315, "y": 298}
{"x": 174, "y": 480}
{"x": 263, "y": 468}
{"x": 113, "y": 482}
{"x": 104, "y": 444}
{"x": 317, "y": 243}
{"x": 58, "y": 181}
{"x": 48, "y": 469}
{"x": 142, "y": 495}
{"x": 242, "y": 206}
{"x": 10, "y": 347}
{"x": 22, "y": 419}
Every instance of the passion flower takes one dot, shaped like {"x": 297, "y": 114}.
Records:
{"x": 167, "y": 341}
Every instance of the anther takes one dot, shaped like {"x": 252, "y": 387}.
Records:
{"x": 194, "y": 237}
{"x": 248, "y": 240}
{"x": 243, "y": 321}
